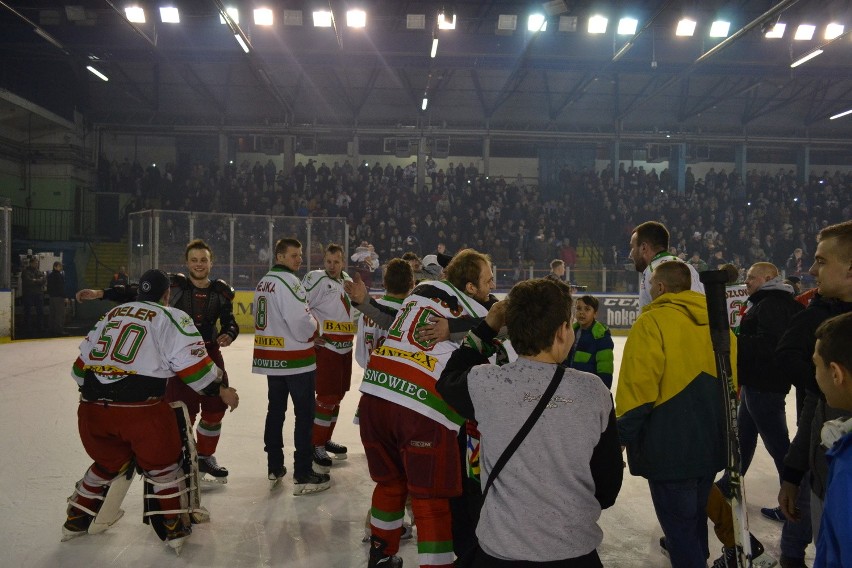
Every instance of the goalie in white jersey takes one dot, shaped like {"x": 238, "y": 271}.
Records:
{"x": 122, "y": 370}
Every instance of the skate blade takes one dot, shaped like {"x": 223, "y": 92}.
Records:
{"x": 176, "y": 544}
{"x": 311, "y": 489}
{"x": 276, "y": 484}
{"x": 210, "y": 480}
{"x": 338, "y": 457}
{"x": 70, "y": 535}
{"x": 98, "y": 526}
{"x": 764, "y": 561}
{"x": 320, "y": 468}
{"x": 200, "y": 515}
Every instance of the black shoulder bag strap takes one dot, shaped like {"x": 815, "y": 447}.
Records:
{"x": 525, "y": 429}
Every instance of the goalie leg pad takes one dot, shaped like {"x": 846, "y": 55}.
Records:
{"x": 166, "y": 498}
{"x": 110, "y": 511}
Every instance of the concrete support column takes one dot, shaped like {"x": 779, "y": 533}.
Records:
{"x": 803, "y": 164}
{"x": 288, "y": 154}
{"x": 223, "y": 149}
{"x": 420, "y": 180}
{"x": 741, "y": 165}
{"x": 677, "y": 166}
{"x": 486, "y": 156}
{"x": 614, "y": 159}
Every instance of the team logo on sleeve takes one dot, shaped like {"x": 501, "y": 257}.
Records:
{"x": 185, "y": 321}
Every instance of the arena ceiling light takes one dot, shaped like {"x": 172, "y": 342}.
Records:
{"x": 135, "y": 14}
{"x": 446, "y": 21}
{"x": 242, "y": 42}
{"x": 685, "y": 28}
{"x": 834, "y": 30}
{"x": 263, "y": 17}
{"x": 840, "y": 115}
{"x": 424, "y": 104}
{"x": 720, "y": 28}
{"x": 434, "y": 50}
{"x": 805, "y": 32}
{"x": 777, "y": 31}
{"x": 806, "y": 58}
{"x": 322, "y": 19}
{"x": 536, "y": 23}
{"x": 97, "y": 73}
{"x": 627, "y": 26}
{"x": 597, "y": 24}
{"x": 169, "y": 15}
{"x": 234, "y": 13}
{"x": 356, "y": 19}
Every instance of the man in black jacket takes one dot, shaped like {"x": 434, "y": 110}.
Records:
{"x": 800, "y": 496}
{"x": 771, "y": 305}
{"x": 58, "y": 299}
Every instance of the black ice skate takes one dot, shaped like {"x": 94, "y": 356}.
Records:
{"x": 176, "y": 533}
{"x": 378, "y": 558}
{"x": 76, "y": 525}
{"x": 338, "y": 450}
{"x": 211, "y": 471}
{"x": 311, "y": 483}
{"x": 322, "y": 463}
{"x": 276, "y": 474}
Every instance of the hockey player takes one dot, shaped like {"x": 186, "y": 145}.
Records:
{"x": 398, "y": 281}
{"x": 330, "y": 306}
{"x": 206, "y": 302}
{"x": 409, "y": 432}
{"x": 122, "y": 370}
{"x": 649, "y": 247}
{"x": 284, "y": 351}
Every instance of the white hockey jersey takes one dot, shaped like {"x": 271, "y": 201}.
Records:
{"x": 645, "y": 285}
{"x": 370, "y": 335}
{"x": 404, "y": 371}
{"x": 330, "y": 306}
{"x": 147, "y": 339}
{"x": 284, "y": 329}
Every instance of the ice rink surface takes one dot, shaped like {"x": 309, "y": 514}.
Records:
{"x": 250, "y": 525}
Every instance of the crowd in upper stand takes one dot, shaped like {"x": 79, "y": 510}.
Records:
{"x": 721, "y": 217}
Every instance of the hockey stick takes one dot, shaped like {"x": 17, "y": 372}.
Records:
{"x": 720, "y": 335}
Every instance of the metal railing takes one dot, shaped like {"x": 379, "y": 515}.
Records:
{"x": 50, "y": 224}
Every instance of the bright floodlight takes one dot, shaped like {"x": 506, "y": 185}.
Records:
{"x": 233, "y": 13}
{"x": 597, "y": 25}
{"x": 97, "y": 73}
{"x": 322, "y": 19}
{"x": 263, "y": 17}
{"x": 356, "y": 18}
{"x": 425, "y": 103}
{"x": 685, "y": 27}
{"x": 833, "y": 31}
{"x": 536, "y": 23}
{"x": 446, "y": 22}
{"x": 135, "y": 14}
{"x": 777, "y": 31}
{"x": 242, "y": 42}
{"x": 805, "y": 32}
{"x": 720, "y": 28}
{"x": 806, "y": 58}
{"x": 627, "y": 26}
{"x": 844, "y": 113}
{"x": 434, "y": 50}
{"x": 169, "y": 15}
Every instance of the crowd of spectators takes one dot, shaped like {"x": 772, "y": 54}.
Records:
{"x": 720, "y": 217}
